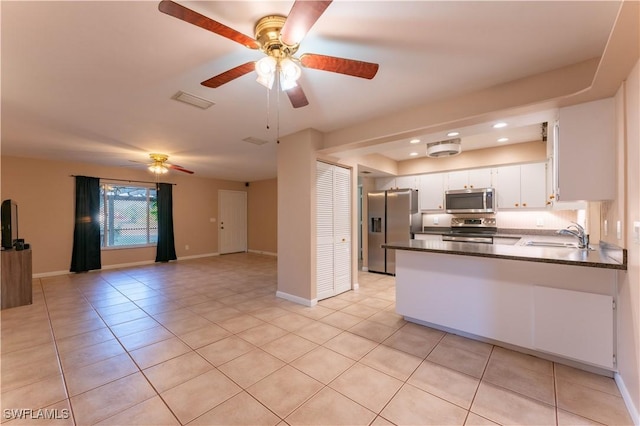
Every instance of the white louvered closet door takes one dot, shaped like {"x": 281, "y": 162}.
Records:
{"x": 341, "y": 229}
{"x": 333, "y": 230}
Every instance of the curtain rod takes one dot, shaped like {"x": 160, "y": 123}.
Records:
{"x": 128, "y": 180}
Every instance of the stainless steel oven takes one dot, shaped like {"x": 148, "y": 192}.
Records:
{"x": 472, "y": 230}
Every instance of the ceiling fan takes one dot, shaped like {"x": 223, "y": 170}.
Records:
{"x": 159, "y": 165}
{"x": 278, "y": 37}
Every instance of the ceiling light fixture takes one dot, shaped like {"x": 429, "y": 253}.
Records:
{"x": 500, "y": 125}
{"x": 268, "y": 68}
{"x": 445, "y": 148}
{"x": 413, "y": 154}
{"x": 452, "y": 134}
{"x": 414, "y": 141}
{"x": 503, "y": 139}
{"x": 158, "y": 168}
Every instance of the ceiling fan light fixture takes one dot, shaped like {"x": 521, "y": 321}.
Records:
{"x": 266, "y": 70}
{"x": 158, "y": 169}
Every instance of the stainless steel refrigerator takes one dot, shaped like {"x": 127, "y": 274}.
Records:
{"x": 393, "y": 216}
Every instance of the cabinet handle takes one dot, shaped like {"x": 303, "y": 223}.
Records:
{"x": 516, "y": 204}
{"x": 465, "y": 187}
{"x": 524, "y": 204}
{"x": 439, "y": 207}
{"x": 552, "y": 196}
{"x": 344, "y": 239}
{"x": 470, "y": 186}
{"x": 548, "y": 202}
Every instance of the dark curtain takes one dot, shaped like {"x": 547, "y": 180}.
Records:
{"x": 166, "y": 249}
{"x": 86, "y": 233}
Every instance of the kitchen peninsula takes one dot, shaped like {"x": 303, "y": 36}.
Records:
{"x": 554, "y": 301}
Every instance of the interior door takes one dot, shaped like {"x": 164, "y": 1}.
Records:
{"x": 232, "y": 225}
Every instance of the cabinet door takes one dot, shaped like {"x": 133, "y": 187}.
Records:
{"x": 458, "y": 180}
{"x": 574, "y": 324}
{"x": 410, "y": 182}
{"x": 480, "y": 178}
{"x": 586, "y": 151}
{"x": 385, "y": 183}
{"x": 324, "y": 230}
{"x": 508, "y": 187}
{"x": 431, "y": 192}
{"x": 533, "y": 185}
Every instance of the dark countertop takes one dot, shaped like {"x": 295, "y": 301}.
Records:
{"x": 603, "y": 256}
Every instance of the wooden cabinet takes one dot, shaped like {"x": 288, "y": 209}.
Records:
{"x": 522, "y": 186}
{"x": 333, "y": 230}
{"x": 431, "y": 192}
{"x": 586, "y": 152}
{"x": 16, "y": 278}
{"x": 475, "y": 178}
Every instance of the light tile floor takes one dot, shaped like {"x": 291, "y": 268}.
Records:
{"x": 207, "y": 342}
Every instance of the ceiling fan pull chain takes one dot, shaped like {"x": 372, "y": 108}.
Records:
{"x": 278, "y": 107}
{"x": 268, "y": 108}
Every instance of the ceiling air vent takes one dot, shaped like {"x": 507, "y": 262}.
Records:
{"x": 255, "y": 141}
{"x": 193, "y": 100}
{"x": 445, "y": 148}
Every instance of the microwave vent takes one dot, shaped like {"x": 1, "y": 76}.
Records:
{"x": 446, "y": 148}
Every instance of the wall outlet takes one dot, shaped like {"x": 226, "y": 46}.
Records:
{"x": 605, "y": 227}
{"x": 619, "y": 230}
{"x": 436, "y": 220}
{"x": 540, "y": 222}
{"x": 186, "y": 247}
{"x": 636, "y": 232}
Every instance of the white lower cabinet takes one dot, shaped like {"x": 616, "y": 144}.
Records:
{"x": 574, "y": 324}
{"x": 515, "y": 302}
{"x": 333, "y": 230}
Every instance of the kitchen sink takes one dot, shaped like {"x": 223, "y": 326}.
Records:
{"x": 551, "y": 244}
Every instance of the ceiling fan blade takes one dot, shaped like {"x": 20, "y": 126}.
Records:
{"x": 297, "y": 97}
{"x": 178, "y": 11}
{"x": 301, "y": 18}
{"x": 178, "y": 168}
{"x": 229, "y": 75}
{"x": 340, "y": 65}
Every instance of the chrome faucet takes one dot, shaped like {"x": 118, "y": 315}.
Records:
{"x": 577, "y": 231}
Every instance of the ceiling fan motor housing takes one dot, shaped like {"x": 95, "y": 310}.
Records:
{"x": 268, "y": 35}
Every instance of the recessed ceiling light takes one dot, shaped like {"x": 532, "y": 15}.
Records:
{"x": 503, "y": 139}
{"x": 500, "y": 125}
{"x": 414, "y": 141}
{"x": 413, "y": 154}
{"x": 451, "y": 134}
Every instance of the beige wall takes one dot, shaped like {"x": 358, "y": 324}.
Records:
{"x": 45, "y": 192}
{"x": 626, "y": 209}
{"x": 297, "y": 215}
{"x": 262, "y": 216}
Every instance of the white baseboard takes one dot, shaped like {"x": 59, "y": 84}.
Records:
{"x": 50, "y": 274}
{"x": 296, "y": 299}
{"x": 198, "y": 256}
{"x": 120, "y": 265}
{"x": 628, "y": 401}
{"x": 355, "y": 286}
{"x": 267, "y": 253}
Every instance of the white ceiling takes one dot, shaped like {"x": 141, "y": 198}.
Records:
{"x": 92, "y": 81}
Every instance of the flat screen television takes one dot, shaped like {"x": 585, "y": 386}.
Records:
{"x": 9, "y": 219}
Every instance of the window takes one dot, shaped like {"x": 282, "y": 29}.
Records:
{"x": 128, "y": 215}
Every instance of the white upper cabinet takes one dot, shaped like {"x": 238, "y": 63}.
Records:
{"x": 395, "y": 182}
{"x": 586, "y": 149}
{"x": 431, "y": 192}
{"x": 475, "y": 178}
{"x": 522, "y": 186}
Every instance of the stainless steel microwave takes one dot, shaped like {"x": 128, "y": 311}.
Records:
{"x": 474, "y": 200}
